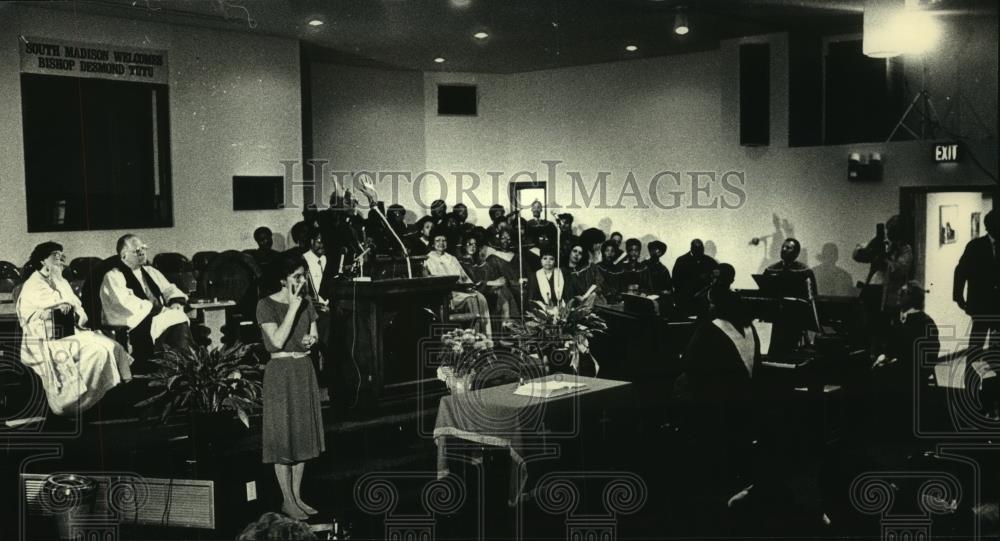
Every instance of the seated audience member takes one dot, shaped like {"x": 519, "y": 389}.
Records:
{"x": 656, "y": 276}
{"x": 276, "y": 527}
{"x": 611, "y": 271}
{"x": 912, "y": 343}
{"x": 581, "y": 275}
{"x": 488, "y": 271}
{"x": 795, "y": 272}
{"x": 722, "y": 280}
{"x": 548, "y": 284}
{"x": 265, "y": 252}
{"x": 137, "y": 296}
{"x": 720, "y": 384}
{"x": 76, "y": 367}
{"x": 419, "y": 241}
{"x": 631, "y": 265}
{"x": 299, "y": 234}
{"x": 692, "y": 274}
{"x": 441, "y": 263}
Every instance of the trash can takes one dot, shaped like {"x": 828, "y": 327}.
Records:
{"x": 68, "y": 497}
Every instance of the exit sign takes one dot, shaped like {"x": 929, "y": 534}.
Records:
{"x": 945, "y": 152}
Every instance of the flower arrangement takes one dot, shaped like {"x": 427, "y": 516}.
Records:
{"x": 567, "y": 326}
{"x": 206, "y": 381}
{"x": 463, "y": 350}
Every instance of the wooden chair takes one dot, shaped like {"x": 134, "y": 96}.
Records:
{"x": 90, "y": 297}
{"x": 177, "y": 269}
{"x": 199, "y": 262}
{"x": 234, "y": 276}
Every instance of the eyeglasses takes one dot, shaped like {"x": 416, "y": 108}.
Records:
{"x": 138, "y": 251}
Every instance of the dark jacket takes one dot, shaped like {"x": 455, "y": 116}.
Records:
{"x": 981, "y": 270}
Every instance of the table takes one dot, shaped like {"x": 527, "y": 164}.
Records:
{"x": 497, "y": 417}
{"x": 213, "y": 316}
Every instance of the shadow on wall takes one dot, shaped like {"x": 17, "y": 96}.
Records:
{"x": 831, "y": 279}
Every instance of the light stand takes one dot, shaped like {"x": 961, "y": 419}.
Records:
{"x": 929, "y": 119}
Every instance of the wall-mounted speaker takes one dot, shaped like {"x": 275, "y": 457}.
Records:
{"x": 755, "y": 94}
{"x": 458, "y": 100}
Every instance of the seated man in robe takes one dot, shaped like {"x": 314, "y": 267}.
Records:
{"x": 137, "y": 296}
{"x": 441, "y": 263}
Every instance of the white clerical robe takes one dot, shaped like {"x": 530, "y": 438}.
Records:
{"x": 75, "y": 370}
{"x": 122, "y": 307}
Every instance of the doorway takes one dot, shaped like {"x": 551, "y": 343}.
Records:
{"x": 945, "y": 220}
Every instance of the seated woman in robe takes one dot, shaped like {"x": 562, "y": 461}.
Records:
{"x": 441, "y": 263}
{"x": 488, "y": 270}
{"x": 77, "y": 367}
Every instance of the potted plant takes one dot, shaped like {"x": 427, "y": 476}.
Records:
{"x": 213, "y": 386}
{"x": 464, "y": 351}
{"x": 560, "y": 334}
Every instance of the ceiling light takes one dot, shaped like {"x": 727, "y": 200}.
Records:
{"x": 480, "y": 35}
{"x": 631, "y": 48}
{"x": 315, "y": 22}
{"x": 439, "y": 60}
{"x": 895, "y": 27}
{"x": 681, "y": 24}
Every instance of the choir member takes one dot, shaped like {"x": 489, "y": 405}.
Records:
{"x": 692, "y": 274}
{"x": 548, "y": 285}
{"x": 441, "y": 263}
{"x": 611, "y": 271}
{"x": 581, "y": 275}
{"x": 488, "y": 271}
{"x": 656, "y": 276}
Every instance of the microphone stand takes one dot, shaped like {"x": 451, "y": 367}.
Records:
{"x": 406, "y": 253}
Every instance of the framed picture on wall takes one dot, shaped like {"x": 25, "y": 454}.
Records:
{"x": 976, "y": 221}
{"x": 947, "y": 221}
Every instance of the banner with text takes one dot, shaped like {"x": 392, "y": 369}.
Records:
{"x": 55, "y": 57}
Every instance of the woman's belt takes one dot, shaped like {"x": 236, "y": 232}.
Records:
{"x": 289, "y": 354}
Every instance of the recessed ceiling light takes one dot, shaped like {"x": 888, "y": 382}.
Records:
{"x": 439, "y": 60}
{"x": 681, "y": 24}
{"x": 315, "y": 22}
{"x": 480, "y": 35}
{"x": 631, "y": 48}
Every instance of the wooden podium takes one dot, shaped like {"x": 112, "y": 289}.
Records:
{"x": 377, "y": 327}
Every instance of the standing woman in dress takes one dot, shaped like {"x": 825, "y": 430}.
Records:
{"x": 293, "y": 425}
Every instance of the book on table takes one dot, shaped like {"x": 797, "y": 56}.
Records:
{"x": 549, "y": 389}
